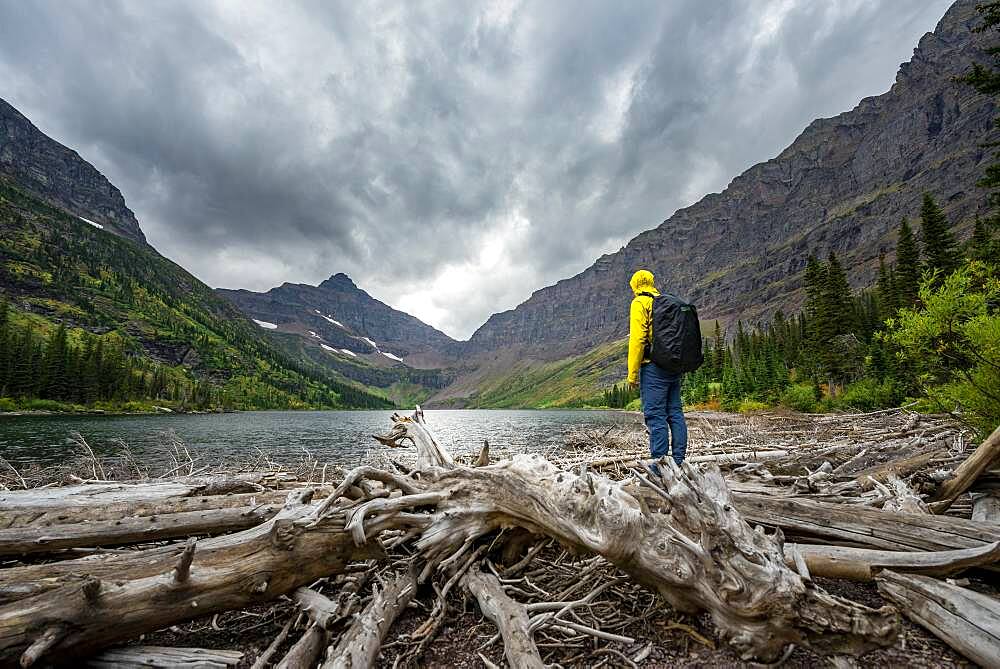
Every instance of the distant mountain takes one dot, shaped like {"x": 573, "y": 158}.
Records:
{"x": 338, "y": 315}
{"x": 58, "y": 175}
{"x": 843, "y": 185}
{"x": 72, "y": 254}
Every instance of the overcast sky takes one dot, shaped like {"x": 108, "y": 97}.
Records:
{"x": 451, "y": 157}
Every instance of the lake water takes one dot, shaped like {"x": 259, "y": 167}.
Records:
{"x": 338, "y": 437}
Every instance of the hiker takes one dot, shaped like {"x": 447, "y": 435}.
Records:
{"x": 660, "y": 390}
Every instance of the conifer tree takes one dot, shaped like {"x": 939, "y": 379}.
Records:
{"x": 907, "y": 266}
{"x": 983, "y": 245}
{"x": 940, "y": 247}
{"x": 886, "y": 288}
{"x": 815, "y": 281}
{"x": 718, "y": 353}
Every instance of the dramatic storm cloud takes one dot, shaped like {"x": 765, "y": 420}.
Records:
{"x": 452, "y": 157}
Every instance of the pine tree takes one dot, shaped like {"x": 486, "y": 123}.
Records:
{"x": 886, "y": 288}
{"x": 718, "y": 353}
{"x": 837, "y": 319}
{"x": 983, "y": 245}
{"x": 940, "y": 247}
{"x": 907, "y": 266}
{"x": 53, "y": 382}
{"x": 814, "y": 281}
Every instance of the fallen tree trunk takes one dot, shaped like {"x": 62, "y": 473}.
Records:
{"x": 24, "y": 516}
{"x": 862, "y": 564}
{"x": 686, "y": 542}
{"x": 360, "y": 644}
{"x": 243, "y": 568}
{"x": 131, "y": 657}
{"x": 864, "y": 527}
{"x": 986, "y": 506}
{"x": 35, "y": 539}
{"x": 965, "y": 620}
{"x": 510, "y": 618}
{"x": 102, "y": 493}
{"x": 981, "y": 459}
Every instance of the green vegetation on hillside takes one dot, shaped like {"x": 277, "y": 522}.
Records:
{"x": 930, "y": 330}
{"x": 81, "y": 298}
{"x": 578, "y": 381}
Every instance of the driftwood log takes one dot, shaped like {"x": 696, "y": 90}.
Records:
{"x": 679, "y": 535}
{"x": 440, "y": 526}
{"x": 862, "y": 564}
{"x": 964, "y": 619}
{"x": 130, "y": 657}
{"x": 255, "y": 565}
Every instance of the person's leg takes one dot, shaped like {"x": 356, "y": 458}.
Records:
{"x": 675, "y": 418}
{"x": 652, "y": 390}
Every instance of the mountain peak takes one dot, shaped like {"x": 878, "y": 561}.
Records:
{"x": 338, "y": 280}
{"x": 55, "y": 173}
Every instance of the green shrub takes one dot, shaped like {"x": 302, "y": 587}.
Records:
{"x": 45, "y": 405}
{"x": 868, "y": 395}
{"x": 748, "y": 405}
{"x": 7, "y": 404}
{"x": 952, "y": 342}
{"x": 801, "y": 397}
{"x": 634, "y": 405}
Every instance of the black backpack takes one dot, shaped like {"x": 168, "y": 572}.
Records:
{"x": 676, "y": 339}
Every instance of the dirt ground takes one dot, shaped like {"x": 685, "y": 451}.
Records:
{"x": 459, "y": 641}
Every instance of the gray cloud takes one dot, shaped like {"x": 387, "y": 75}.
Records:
{"x": 451, "y": 157}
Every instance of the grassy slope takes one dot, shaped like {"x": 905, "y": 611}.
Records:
{"x": 577, "y": 381}
{"x": 57, "y": 268}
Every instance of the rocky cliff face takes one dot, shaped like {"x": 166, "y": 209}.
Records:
{"x": 58, "y": 175}
{"x": 843, "y": 185}
{"x": 341, "y": 315}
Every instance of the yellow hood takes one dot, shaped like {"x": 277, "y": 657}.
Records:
{"x": 642, "y": 282}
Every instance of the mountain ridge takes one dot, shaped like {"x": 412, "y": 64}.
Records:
{"x": 60, "y": 176}
{"x": 341, "y": 315}
{"x": 842, "y": 185}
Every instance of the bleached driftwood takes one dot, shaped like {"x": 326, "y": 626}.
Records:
{"x": 966, "y": 620}
{"x": 986, "y": 506}
{"x": 239, "y": 569}
{"x": 510, "y": 617}
{"x": 415, "y": 430}
{"x": 864, "y": 527}
{"x": 987, "y": 454}
{"x": 44, "y": 539}
{"x": 133, "y": 657}
{"x": 49, "y": 515}
{"x": 681, "y": 536}
{"x": 862, "y": 564}
{"x": 360, "y": 644}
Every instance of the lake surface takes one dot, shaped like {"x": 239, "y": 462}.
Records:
{"x": 338, "y": 437}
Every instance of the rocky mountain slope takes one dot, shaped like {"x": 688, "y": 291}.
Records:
{"x": 346, "y": 321}
{"x": 843, "y": 185}
{"x": 58, "y": 175}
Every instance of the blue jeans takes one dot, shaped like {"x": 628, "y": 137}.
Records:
{"x": 664, "y": 413}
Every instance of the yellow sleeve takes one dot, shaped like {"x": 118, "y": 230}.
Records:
{"x": 638, "y": 337}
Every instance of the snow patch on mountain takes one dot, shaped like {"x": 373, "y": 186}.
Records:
{"x": 87, "y": 220}
{"x": 349, "y": 352}
{"x": 391, "y": 356}
{"x": 265, "y": 324}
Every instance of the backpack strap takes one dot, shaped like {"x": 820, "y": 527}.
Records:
{"x": 645, "y": 295}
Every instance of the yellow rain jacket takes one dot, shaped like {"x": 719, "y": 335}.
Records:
{"x": 640, "y": 318}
